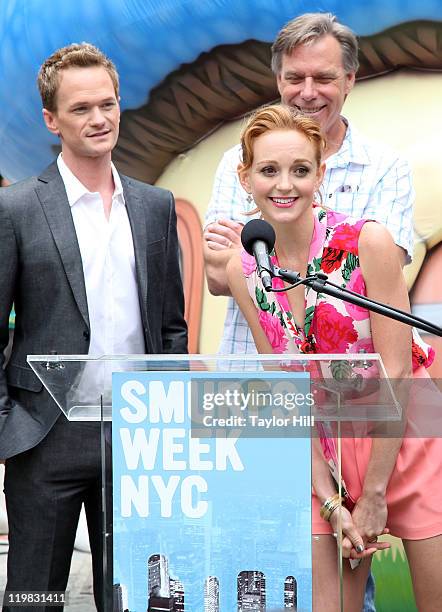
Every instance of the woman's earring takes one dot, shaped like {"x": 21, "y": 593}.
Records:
{"x": 317, "y": 197}
{"x": 249, "y": 198}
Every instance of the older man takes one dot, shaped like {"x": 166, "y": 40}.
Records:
{"x": 315, "y": 60}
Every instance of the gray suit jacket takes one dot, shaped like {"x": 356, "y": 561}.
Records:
{"x": 41, "y": 273}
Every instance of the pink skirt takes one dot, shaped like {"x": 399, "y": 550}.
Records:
{"x": 414, "y": 492}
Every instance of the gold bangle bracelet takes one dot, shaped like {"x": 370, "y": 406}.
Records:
{"x": 327, "y": 512}
{"x": 329, "y": 506}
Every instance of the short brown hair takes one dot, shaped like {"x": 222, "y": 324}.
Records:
{"x": 308, "y": 28}
{"x": 80, "y": 55}
{"x": 279, "y": 117}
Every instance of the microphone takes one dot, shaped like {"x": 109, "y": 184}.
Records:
{"x": 258, "y": 239}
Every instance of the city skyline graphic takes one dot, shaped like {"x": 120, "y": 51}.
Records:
{"x": 249, "y": 551}
{"x": 167, "y": 593}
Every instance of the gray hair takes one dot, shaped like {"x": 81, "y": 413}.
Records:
{"x": 308, "y": 28}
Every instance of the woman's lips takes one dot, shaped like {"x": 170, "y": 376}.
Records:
{"x": 284, "y": 202}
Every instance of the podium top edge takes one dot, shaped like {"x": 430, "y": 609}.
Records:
{"x": 209, "y": 357}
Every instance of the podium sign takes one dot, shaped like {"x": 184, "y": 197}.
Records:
{"x": 211, "y": 468}
{"x": 212, "y": 504}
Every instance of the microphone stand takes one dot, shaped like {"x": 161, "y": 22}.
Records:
{"x": 319, "y": 282}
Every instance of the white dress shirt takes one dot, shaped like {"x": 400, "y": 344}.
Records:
{"x": 108, "y": 259}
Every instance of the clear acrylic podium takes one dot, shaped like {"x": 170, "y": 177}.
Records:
{"x": 265, "y": 404}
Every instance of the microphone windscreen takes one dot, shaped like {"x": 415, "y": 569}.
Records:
{"x": 257, "y": 229}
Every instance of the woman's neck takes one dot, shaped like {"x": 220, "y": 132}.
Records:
{"x": 293, "y": 241}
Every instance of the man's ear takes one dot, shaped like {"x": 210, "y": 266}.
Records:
{"x": 243, "y": 176}
{"x": 350, "y": 78}
{"x": 279, "y": 82}
{"x": 320, "y": 176}
{"x": 50, "y": 119}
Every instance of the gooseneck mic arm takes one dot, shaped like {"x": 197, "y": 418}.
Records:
{"x": 319, "y": 282}
{"x": 259, "y": 231}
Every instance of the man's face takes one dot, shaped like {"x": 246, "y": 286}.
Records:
{"x": 87, "y": 115}
{"x": 313, "y": 80}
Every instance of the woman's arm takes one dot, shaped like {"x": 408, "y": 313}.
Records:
{"x": 322, "y": 480}
{"x": 392, "y": 340}
{"x": 240, "y": 293}
{"x": 323, "y": 484}
{"x": 385, "y": 283}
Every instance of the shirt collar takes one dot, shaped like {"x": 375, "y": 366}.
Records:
{"x": 75, "y": 189}
{"x": 352, "y": 150}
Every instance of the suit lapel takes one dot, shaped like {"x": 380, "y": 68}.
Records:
{"x": 137, "y": 218}
{"x": 52, "y": 195}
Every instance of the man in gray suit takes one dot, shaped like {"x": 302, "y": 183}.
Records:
{"x": 90, "y": 260}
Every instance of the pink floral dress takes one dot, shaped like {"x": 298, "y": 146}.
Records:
{"x": 331, "y": 325}
{"x": 335, "y": 326}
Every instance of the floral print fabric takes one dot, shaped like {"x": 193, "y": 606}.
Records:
{"x": 331, "y": 325}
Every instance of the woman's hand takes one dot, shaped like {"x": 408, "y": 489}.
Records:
{"x": 353, "y": 544}
{"x": 370, "y": 516}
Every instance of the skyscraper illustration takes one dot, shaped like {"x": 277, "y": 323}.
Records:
{"x": 211, "y": 594}
{"x": 251, "y": 591}
{"x": 166, "y": 594}
{"x": 120, "y": 598}
{"x": 290, "y": 593}
{"x": 117, "y": 598}
{"x": 158, "y": 576}
{"x": 160, "y": 604}
{"x": 177, "y": 594}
